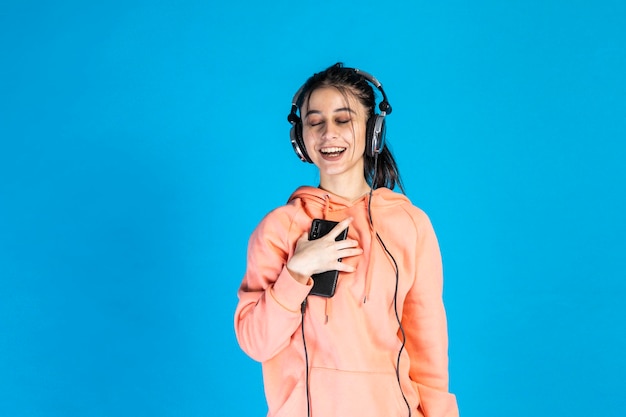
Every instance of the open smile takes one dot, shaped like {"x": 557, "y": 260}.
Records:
{"x": 332, "y": 152}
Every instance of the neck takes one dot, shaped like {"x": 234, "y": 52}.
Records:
{"x": 351, "y": 193}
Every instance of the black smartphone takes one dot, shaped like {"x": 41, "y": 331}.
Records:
{"x": 325, "y": 283}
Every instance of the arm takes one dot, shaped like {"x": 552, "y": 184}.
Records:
{"x": 424, "y": 321}
{"x": 268, "y": 311}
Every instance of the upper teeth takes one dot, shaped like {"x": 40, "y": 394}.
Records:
{"x": 332, "y": 150}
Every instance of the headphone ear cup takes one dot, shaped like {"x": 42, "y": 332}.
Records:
{"x": 295, "y": 134}
{"x": 374, "y": 142}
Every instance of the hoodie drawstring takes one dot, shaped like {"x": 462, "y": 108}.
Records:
{"x": 326, "y": 206}
{"x": 368, "y": 275}
{"x": 327, "y": 301}
{"x": 328, "y": 307}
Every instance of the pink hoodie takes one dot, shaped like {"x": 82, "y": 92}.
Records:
{"x": 352, "y": 339}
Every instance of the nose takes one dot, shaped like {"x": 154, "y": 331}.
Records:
{"x": 330, "y": 131}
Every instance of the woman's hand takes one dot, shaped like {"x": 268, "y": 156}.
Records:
{"x": 323, "y": 254}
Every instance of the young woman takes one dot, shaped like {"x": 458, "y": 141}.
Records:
{"x": 377, "y": 346}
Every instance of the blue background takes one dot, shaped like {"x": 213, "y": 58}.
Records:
{"x": 142, "y": 141}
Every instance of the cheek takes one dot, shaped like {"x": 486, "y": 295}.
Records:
{"x": 360, "y": 137}
{"x": 308, "y": 136}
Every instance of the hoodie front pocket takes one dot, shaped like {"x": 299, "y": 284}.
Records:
{"x": 336, "y": 393}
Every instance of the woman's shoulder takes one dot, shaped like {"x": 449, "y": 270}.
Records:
{"x": 401, "y": 211}
{"x": 281, "y": 218}
{"x": 390, "y": 199}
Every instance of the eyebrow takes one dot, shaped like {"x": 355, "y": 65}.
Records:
{"x": 348, "y": 109}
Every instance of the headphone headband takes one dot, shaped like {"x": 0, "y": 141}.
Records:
{"x": 384, "y": 105}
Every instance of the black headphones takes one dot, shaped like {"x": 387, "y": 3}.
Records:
{"x": 374, "y": 141}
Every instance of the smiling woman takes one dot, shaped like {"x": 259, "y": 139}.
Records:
{"x": 345, "y": 352}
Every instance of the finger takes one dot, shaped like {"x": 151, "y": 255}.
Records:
{"x": 346, "y": 253}
{"x": 346, "y": 244}
{"x": 344, "y": 267}
{"x": 339, "y": 227}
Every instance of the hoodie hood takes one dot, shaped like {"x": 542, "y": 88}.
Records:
{"x": 318, "y": 203}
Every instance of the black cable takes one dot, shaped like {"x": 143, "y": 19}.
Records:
{"x": 395, "y": 294}
{"x": 306, "y": 362}
{"x": 395, "y": 306}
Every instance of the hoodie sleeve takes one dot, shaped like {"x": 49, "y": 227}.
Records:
{"x": 424, "y": 322}
{"x": 268, "y": 311}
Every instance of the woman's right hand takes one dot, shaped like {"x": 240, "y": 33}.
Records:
{"x": 323, "y": 254}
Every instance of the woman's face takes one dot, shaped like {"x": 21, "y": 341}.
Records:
{"x": 333, "y": 129}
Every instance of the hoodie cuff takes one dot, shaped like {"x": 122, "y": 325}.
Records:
{"x": 288, "y": 292}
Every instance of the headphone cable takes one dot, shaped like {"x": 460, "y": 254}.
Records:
{"x": 306, "y": 362}
{"x": 395, "y": 293}
{"x": 395, "y": 307}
